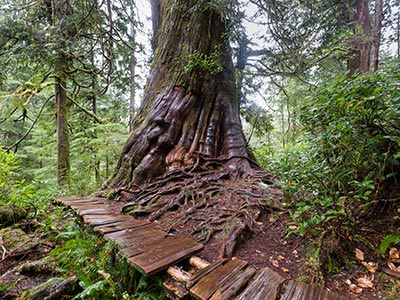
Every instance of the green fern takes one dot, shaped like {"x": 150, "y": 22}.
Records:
{"x": 388, "y": 240}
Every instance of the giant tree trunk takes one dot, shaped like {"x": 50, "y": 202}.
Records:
{"x": 190, "y": 109}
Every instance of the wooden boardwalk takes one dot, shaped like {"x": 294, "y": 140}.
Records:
{"x": 150, "y": 250}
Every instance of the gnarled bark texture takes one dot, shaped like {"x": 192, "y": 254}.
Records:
{"x": 190, "y": 108}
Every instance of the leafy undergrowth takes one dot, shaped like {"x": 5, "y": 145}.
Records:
{"x": 341, "y": 183}
{"x": 45, "y": 251}
{"x": 50, "y": 253}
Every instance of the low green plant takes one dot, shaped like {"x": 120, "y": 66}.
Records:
{"x": 102, "y": 272}
{"x": 389, "y": 240}
{"x": 13, "y": 189}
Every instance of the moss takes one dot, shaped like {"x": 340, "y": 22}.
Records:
{"x": 11, "y": 214}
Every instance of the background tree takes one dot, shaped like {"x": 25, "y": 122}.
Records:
{"x": 72, "y": 51}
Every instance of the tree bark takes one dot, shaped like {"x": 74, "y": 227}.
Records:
{"x": 365, "y": 44}
{"x": 63, "y": 155}
{"x": 61, "y": 10}
{"x": 190, "y": 108}
{"x": 359, "y": 55}
{"x": 376, "y": 38}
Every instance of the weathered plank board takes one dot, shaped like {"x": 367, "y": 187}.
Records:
{"x": 76, "y": 199}
{"x": 233, "y": 285}
{"x": 265, "y": 286}
{"x": 120, "y": 225}
{"x": 138, "y": 246}
{"x": 164, "y": 253}
{"x": 208, "y": 285}
{"x": 96, "y": 220}
{"x": 204, "y": 272}
{"x": 300, "y": 290}
{"x": 150, "y": 234}
{"x": 133, "y": 231}
{"x": 96, "y": 211}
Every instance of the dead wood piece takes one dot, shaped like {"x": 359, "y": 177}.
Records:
{"x": 198, "y": 262}
{"x": 42, "y": 266}
{"x": 175, "y": 290}
{"x": 209, "y": 284}
{"x": 53, "y": 289}
{"x": 179, "y": 274}
{"x": 10, "y": 214}
{"x": 392, "y": 273}
{"x": 228, "y": 244}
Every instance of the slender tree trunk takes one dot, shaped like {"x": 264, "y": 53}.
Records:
{"x": 63, "y": 156}
{"x": 61, "y": 9}
{"x": 376, "y": 38}
{"x": 190, "y": 110}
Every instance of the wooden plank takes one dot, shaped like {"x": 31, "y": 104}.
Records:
{"x": 134, "y": 231}
{"x": 265, "y": 286}
{"x": 138, "y": 246}
{"x": 120, "y": 225}
{"x": 95, "y": 211}
{"x": 129, "y": 241}
{"x": 300, "y": 290}
{"x": 71, "y": 199}
{"x": 164, "y": 253}
{"x": 98, "y": 220}
{"x": 205, "y": 271}
{"x": 208, "y": 285}
{"x": 233, "y": 285}
{"x": 82, "y": 206}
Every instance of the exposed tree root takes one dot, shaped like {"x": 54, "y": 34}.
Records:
{"x": 205, "y": 203}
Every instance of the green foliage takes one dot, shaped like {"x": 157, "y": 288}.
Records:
{"x": 346, "y": 165}
{"x": 103, "y": 274}
{"x": 13, "y": 190}
{"x": 203, "y": 62}
{"x": 388, "y": 240}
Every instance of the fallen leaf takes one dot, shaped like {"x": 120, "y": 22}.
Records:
{"x": 394, "y": 253}
{"x": 295, "y": 254}
{"x": 275, "y": 263}
{"x": 371, "y": 266}
{"x": 364, "y": 282}
{"x": 359, "y": 254}
{"x": 355, "y": 289}
{"x": 393, "y": 267}
{"x": 348, "y": 281}
{"x": 293, "y": 227}
{"x": 280, "y": 257}
{"x": 285, "y": 270}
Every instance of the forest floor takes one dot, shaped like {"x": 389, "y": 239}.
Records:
{"x": 264, "y": 241}
{"x": 248, "y": 218}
